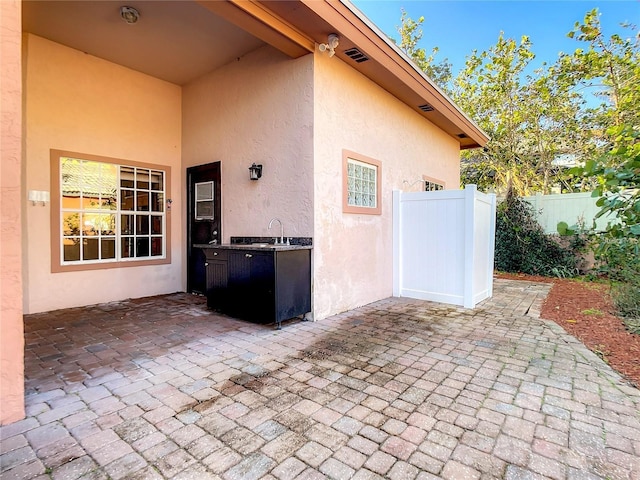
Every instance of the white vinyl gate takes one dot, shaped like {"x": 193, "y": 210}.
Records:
{"x": 443, "y": 245}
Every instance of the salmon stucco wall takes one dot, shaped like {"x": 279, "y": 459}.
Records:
{"x": 80, "y": 103}
{"x": 259, "y": 109}
{"x": 11, "y": 194}
{"x": 353, "y": 252}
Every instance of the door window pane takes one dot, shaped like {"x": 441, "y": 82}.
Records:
{"x": 204, "y": 201}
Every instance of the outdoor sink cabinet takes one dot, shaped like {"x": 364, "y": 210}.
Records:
{"x": 262, "y": 283}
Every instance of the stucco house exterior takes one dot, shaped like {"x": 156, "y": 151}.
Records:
{"x": 98, "y": 114}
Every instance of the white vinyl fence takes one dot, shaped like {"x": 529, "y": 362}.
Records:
{"x": 444, "y": 245}
{"x": 573, "y": 208}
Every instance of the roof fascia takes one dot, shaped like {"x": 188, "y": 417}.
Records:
{"x": 349, "y": 21}
{"x": 262, "y": 23}
{"x": 411, "y": 63}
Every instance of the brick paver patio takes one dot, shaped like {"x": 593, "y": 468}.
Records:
{"x": 401, "y": 389}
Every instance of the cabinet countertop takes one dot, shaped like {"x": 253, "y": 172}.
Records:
{"x": 267, "y": 248}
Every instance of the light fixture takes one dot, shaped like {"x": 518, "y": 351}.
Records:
{"x": 332, "y": 43}
{"x": 255, "y": 171}
{"x": 129, "y": 14}
{"x": 36, "y": 196}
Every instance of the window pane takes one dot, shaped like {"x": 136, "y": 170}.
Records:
{"x": 157, "y": 202}
{"x": 96, "y": 196}
{"x": 142, "y": 178}
{"x": 127, "y": 247}
{"x": 157, "y": 180}
{"x": 107, "y": 224}
{"x": 71, "y": 223}
{"x": 156, "y": 225}
{"x": 71, "y": 247}
{"x": 142, "y": 203}
{"x": 126, "y": 177}
{"x": 361, "y": 184}
{"x": 108, "y": 187}
{"x": 126, "y": 224}
{"x": 156, "y": 246}
{"x": 126, "y": 200}
{"x": 108, "y": 246}
{"x": 142, "y": 224}
{"x": 204, "y": 210}
{"x": 90, "y": 249}
{"x": 71, "y": 174}
{"x": 142, "y": 247}
{"x": 90, "y": 224}
{"x": 204, "y": 191}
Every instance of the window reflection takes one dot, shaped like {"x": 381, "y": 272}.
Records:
{"x": 105, "y": 206}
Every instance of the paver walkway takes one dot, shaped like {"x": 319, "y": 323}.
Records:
{"x": 401, "y": 389}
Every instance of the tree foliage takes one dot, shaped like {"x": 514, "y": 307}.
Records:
{"x": 410, "y": 35}
{"x": 539, "y": 121}
{"x": 531, "y": 118}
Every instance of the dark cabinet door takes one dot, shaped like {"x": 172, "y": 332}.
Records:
{"x": 217, "y": 276}
{"x": 262, "y": 289}
{"x": 251, "y": 286}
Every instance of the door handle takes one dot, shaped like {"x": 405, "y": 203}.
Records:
{"x": 215, "y": 254}
{"x": 206, "y": 264}
{"x": 248, "y": 255}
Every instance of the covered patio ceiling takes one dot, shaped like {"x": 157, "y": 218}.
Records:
{"x": 179, "y": 41}
{"x": 176, "y": 41}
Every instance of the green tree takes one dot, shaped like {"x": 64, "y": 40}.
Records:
{"x": 410, "y": 35}
{"x": 607, "y": 67}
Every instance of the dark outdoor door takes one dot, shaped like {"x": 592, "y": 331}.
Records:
{"x": 203, "y": 220}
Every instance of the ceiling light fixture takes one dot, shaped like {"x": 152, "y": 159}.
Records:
{"x": 331, "y": 45}
{"x": 129, "y": 14}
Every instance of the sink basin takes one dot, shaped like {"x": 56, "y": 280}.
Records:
{"x": 261, "y": 245}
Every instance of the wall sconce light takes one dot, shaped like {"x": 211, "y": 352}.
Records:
{"x": 331, "y": 45}
{"x": 129, "y": 14}
{"x": 255, "y": 171}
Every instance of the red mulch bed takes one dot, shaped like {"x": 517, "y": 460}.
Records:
{"x": 584, "y": 309}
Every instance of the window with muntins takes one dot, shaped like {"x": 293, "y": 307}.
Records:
{"x": 361, "y": 179}
{"x": 361, "y": 184}
{"x": 432, "y": 186}
{"x": 110, "y": 212}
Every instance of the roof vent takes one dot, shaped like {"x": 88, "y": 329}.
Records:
{"x": 463, "y": 135}
{"x": 426, "y": 108}
{"x": 356, "y": 55}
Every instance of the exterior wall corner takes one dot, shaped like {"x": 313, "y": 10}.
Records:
{"x": 11, "y": 201}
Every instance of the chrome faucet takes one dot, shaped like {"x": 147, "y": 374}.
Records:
{"x": 281, "y": 242}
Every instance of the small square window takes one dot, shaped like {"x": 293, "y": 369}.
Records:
{"x": 432, "y": 185}
{"x": 361, "y": 184}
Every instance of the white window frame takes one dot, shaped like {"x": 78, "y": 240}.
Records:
{"x": 120, "y": 259}
{"x": 432, "y": 184}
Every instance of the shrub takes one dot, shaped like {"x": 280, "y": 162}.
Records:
{"x": 619, "y": 259}
{"x": 522, "y": 245}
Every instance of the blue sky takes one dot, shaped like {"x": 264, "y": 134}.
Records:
{"x": 459, "y": 27}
